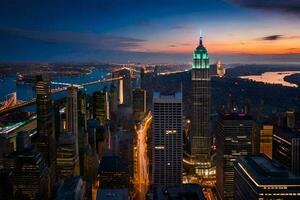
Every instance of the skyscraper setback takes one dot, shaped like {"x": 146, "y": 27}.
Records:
{"x": 201, "y": 96}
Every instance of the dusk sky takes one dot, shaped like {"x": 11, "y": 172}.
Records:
{"x": 246, "y": 31}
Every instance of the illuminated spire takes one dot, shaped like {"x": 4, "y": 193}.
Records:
{"x": 200, "y": 41}
{"x": 201, "y": 58}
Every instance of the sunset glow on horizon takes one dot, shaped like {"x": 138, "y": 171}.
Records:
{"x": 158, "y": 29}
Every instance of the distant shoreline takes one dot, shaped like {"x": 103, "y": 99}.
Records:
{"x": 273, "y": 78}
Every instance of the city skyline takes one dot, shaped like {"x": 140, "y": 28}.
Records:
{"x": 235, "y": 31}
{"x": 150, "y": 100}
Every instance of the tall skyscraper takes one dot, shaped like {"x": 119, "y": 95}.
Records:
{"x": 82, "y": 110}
{"x": 201, "y": 97}
{"x": 45, "y": 137}
{"x": 99, "y": 106}
{"x": 107, "y": 103}
{"x": 72, "y": 114}
{"x": 220, "y": 70}
{"x": 125, "y": 87}
{"x": 142, "y": 81}
{"x": 233, "y": 139}
{"x": 113, "y": 99}
{"x": 45, "y": 140}
{"x": 139, "y": 103}
{"x": 259, "y": 177}
{"x": 167, "y": 142}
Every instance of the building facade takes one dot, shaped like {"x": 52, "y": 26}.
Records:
{"x": 125, "y": 87}
{"x": 233, "y": 139}
{"x": 167, "y": 140}
{"x": 72, "y": 114}
{"x": 45, "y": 140}
{"x": 100, "y": 106}
{"x": 286, "y": 149}
{"x": 266, "y": 139}
{"x": 139, "y": 103}
{"x": 201, "y": 99}
{"x": 30, "y": 175}
{"x": 67, "y": 162}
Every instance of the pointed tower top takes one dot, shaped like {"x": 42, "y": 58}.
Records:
{"x": 200, "y": 41}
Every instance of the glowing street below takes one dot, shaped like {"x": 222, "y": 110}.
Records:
{"x": 141, "y": 182}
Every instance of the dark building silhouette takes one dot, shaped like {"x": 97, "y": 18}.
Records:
{"x": 72, "y": 188}
{"x": 286, "y": 149}
{"x": 259, "y": 177}
{"x": 113, "y": 173}
{"x": 45, "y": 133}
{"x": 45, "y": 138}
{"x": 99, "y": 106}
{"x": 233, "y": 139}
{"x": 30, "y": 173}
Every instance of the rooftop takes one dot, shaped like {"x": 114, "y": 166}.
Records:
{"x": 263, "y": 170}
{"x": 185, "y": 191}
{"x": 163, "y": 97}
{"x": 112, "y": 194}
{"x": 112, "y": 164}
{"x": 235, "y": 116}
{"x": 69, "y": 187}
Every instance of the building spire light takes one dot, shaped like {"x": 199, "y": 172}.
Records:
{"x": 200, "y": 41}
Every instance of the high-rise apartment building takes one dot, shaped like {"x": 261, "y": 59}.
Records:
{"x": 233, "y": 139}
{"x": 167, "y": 143}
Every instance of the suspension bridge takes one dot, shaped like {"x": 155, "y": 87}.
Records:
{"x": 12, "y": 103}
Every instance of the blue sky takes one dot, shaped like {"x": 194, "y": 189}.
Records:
{"x": 149, "y": 31}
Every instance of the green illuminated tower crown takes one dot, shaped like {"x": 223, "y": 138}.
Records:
{"x": 200, "y": 57}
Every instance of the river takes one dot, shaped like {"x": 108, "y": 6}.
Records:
{"x": 273, "y": 78}
{"x": 27, "y": 91}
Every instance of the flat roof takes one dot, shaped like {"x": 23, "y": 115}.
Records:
{"x": 167, "y": 97}
{"x": 112, "y": 164}
{"x": 68, "y": 187}
{"x": 181, "y": 192}
{"x": 112, "y": 194}
{"x": 235, "y": 116}
{"x": 263, "y": 170}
